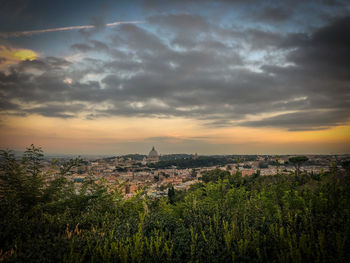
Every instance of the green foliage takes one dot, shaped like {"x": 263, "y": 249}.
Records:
{"x": 346, "y": 165}
{"x": 263, "y": 165}
{"x": 225, "y": 218}
{"x": 215, "y": 175}
{"x": 171, "y": 195}
{"x": 191, "y": 163}
{"x": 297, "y": 161}
{"x": 32, "y": 160}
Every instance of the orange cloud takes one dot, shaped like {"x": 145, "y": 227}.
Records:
{"x": 10, "y": 56}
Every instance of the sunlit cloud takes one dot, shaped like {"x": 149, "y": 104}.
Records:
{"x": 58, "y": 29}
{"x": 68, "y": 80}
{"x": 10, "y": 56}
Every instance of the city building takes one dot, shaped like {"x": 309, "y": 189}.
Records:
{"x": 153, "y": 156}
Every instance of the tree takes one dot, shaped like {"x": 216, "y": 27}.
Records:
{"x": 215, "y": 175}
{"x": 12, "y": 176}
{"x": 257, "y": 174}
{"x": 238, "y": 161}
{"x": 171, "y": 195}
{"x": 263, "y": 165}
{"x": 297, "y": 161}
{"x": 277, "y": 160}
{"x": 346, "y": 165}
{"x": 32, "y": 159}
{"x": 193, "y": 173}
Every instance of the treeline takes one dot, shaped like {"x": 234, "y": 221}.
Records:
{"x": 202, "y": 161}
{"x": 176, "y": 156}
{"x": 226, "y": 218}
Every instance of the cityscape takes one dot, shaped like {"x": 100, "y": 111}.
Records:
{"x": 154, "y": 173}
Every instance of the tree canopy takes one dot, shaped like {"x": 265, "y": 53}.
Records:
{"x": 297, "y": 161}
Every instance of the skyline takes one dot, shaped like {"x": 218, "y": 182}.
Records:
{"x": 219, "y": 77}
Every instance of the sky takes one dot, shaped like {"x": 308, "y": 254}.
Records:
{"x": 212, "y": 77}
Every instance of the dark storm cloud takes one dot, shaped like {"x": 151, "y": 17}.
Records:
{"x": 93, "y": 45}
{"x": 183, "y": 64}
{"x": 138, "y": 39}
{"x": 322, "y": 73}
{"x": 327, "y": 49}
{"x": 259, "y": 39}
{"x": 186, "y": 28}
{"x": 309, "y": 120}
{"x": 57, "y": 110}
{"x": 6, "y": 105}
{"x": 181, "y": 22}
{"x": 325, "y": 55}
{"x": 274, "y": 14}
{"x": 47, "y": 64}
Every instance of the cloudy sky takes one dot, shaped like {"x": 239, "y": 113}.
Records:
{"x": 213, "y": 77}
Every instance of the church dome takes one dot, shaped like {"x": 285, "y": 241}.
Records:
{"x": 153, "y": 153}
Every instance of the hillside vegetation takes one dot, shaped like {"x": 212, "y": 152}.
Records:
{"x": 280, "y": 218}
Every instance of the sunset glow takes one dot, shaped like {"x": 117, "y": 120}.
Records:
{"x": 109, "y": 135}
